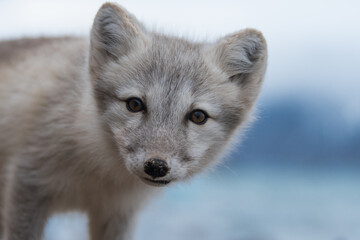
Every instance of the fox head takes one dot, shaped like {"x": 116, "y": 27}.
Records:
{"x": 171, "y": 106}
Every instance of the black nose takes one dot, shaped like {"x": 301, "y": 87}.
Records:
{"x": 156, "y": 167}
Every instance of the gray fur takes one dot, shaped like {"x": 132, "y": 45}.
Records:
{"x": 67, "y": 140}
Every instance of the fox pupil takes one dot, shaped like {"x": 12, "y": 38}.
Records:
{"x": 134, "y": 105}
{"x": 198, "y": 116}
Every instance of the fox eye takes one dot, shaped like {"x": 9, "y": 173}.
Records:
{"x": 198, "y": 117}
{"x": 134, "y": 105}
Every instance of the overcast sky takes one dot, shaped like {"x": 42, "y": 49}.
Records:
{"x": 314, "y": 46}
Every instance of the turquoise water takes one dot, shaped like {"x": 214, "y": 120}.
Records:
{"x": 258, "y": 204}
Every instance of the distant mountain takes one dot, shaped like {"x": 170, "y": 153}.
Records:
{"x": 293, "y": 130}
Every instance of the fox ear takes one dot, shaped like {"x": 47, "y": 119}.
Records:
{"x": 242, "y": 57}
{"x": 114, "y": 33}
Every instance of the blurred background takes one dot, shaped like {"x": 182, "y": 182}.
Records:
{"x": 296, "y": 174}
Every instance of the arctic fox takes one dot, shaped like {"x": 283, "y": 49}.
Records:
{"x": 97, "y": 124}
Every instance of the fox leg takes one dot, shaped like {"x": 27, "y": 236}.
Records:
{"x": 25, "y": 209}
{"x": 115, "y": 227}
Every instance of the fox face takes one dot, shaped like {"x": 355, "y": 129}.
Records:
{"x": 171, "y": 106}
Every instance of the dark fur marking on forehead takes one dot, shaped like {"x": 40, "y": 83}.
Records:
{"x": 175, "y": 58}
